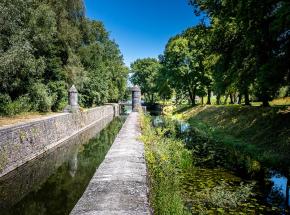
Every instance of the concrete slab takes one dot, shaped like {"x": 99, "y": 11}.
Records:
{"x": 119, "y": 184}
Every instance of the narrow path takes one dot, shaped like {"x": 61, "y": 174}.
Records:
{"x": 119, "y": 185}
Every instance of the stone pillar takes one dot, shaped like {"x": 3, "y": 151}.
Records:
{"x": 72, "y": 100}
{"x": 73, "y": 96}
{"x": 136, "y": 98}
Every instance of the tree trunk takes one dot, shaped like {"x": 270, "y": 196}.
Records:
{"x": 226, "y": 99}
{"x": 152, "y": 98}
{"x": 265, "y": 99}
{"x": 218, "y": 99}
{"x": 235, "y": 97}
{"x": 202, "y": 100}
{"x": 192, "y": 94}
{"x": 265, "y": 103}
{"x": 192, "y": 101}
{"x": 247, "y": 98}
{"x": 240, "y": 97}
{"x": 208, "y": 96}
{"x": 231, "y": 99}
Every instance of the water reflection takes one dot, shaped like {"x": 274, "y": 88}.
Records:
{"x": 279, "y": 190}
{"x": 73, "y": 164}
{"x": 53, "y": 183}
{"x": 271, "y": 193}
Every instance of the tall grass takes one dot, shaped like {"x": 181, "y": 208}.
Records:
{"x": 166, "y": 160}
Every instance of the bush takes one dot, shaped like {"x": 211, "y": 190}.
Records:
{"x": 5, "y": 100}
{"x": 10, "y": 108}
{"x": 59, "y": 94}
{"x": 40, "y": 98}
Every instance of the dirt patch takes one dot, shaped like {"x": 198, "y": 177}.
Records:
{"x": 4, "y": 121}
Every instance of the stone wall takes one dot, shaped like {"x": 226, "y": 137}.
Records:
{"x": 29, "y": 176}
{"x": 26, "y": 141}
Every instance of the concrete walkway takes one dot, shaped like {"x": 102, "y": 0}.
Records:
{"x": 119, "y": 185}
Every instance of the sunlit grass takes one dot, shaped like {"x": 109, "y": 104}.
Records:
{"x": 22, "y": 117}
{"x": 281, "y": 101}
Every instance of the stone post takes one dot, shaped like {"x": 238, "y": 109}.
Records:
{"x": 73, "y": 96}
{"x": 136, "y": 99}
{"x": 72, "y": 100}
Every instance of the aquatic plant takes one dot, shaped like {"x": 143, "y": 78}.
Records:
{"x": 222, "y": 196}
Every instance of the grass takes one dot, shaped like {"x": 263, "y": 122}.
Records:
{"x": 166, "y": 159}
{"x": 169, "y": 164}
{"x": 21, "y": 117}
{"x": 281, "y": 101}
{"x": 262, "y": 133}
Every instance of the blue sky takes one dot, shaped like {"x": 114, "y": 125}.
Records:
{"x": 142, "y": 28}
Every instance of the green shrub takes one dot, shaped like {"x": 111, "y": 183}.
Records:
{"x": 59, "y": 94}
{"x": 5, "y": 100}
{"x": 40, "y": 98}
{"x": 10, "y": 108}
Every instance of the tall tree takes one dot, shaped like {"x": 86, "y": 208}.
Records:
{"x": 145, "y": 74}
{"x": 47, "y": 45}
{"x": 253, "y": 44}
{"x": 184, "y": 60}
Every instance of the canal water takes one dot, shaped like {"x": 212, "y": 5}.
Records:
{"x": 52, "y": 184}
{"x": 234, "y": 192}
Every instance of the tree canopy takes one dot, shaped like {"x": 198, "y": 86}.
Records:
{"x": 251, "y": 40}
{"x": 241, "y": 54}
{"x": 145, "y": 74}
{"x": 48, "y": 45}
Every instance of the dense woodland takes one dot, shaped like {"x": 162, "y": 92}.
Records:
{"x": 240, "y": 51}
{"x": 48, "y": 45}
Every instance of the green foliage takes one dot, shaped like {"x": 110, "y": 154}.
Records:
{"x": 53, "y": 44}
{"x": 252, "y": 39}
{"x": 166, "y": 158}
{"x": 40, "y": 97}
{"x": 242, "y": 130}
{"x": 183, "y": 176}
{"x": 59, "y": 94}
{"x": 145, "y": 74}
{"x": 242, "y": 54}
{"x": 184, "y": 62}
{"x": 10, "y": 108}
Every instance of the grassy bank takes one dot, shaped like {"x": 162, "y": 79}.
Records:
{"x": 177, "y": 180}
{"x": 261, "y": 133}
{"x": 166, "y": 159}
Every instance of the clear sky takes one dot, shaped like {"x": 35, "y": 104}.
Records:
{"x": 142, "y": 27}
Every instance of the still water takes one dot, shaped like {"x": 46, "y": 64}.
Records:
{"x": 54, "y": 183}
{"x": 270, "y": 193}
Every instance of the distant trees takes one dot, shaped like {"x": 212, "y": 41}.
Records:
{"x": 151, "y": 75}
{"x": 145, "y": 74}
{"x": 251, "y": 40}
{"x": 45, "y": 46}
{"x": 183, "y": 59}
{"x": 242, "y": 55}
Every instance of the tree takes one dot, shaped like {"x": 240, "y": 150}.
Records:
{"x": 145, "y": 73}
{"x": 184, "y": 60}
{"x": 253, "y": 44}
{"x": 48, "y": 45}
